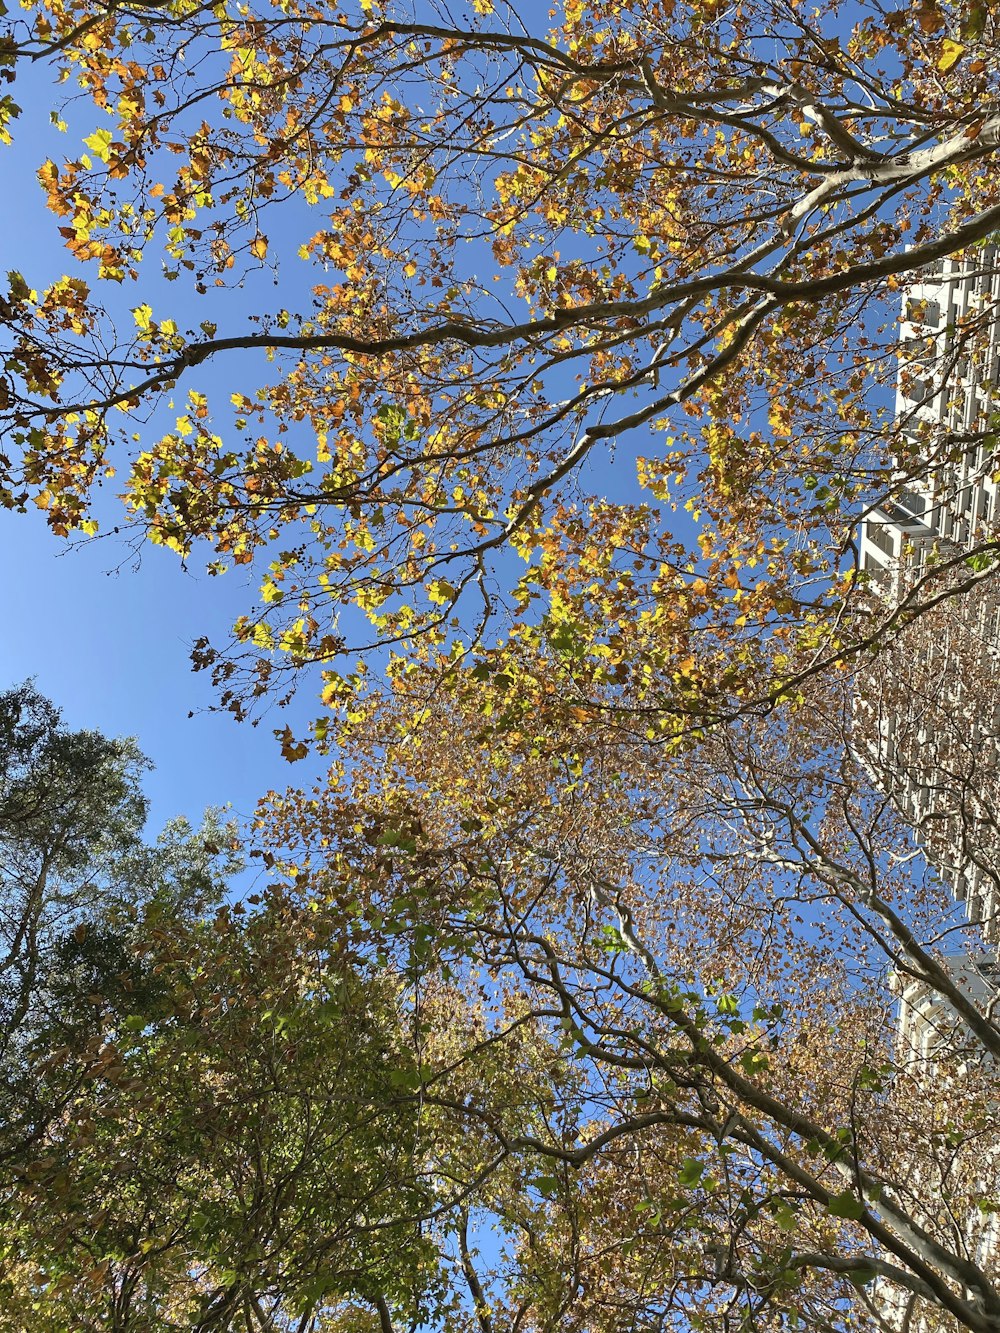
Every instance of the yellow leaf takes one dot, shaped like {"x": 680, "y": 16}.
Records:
{"x": 100, "y": 144}
{"x": 258, "y": 246}
{"x": 440, "y": 591}
{"x": 951, "y": 53}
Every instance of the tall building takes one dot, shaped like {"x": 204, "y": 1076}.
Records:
{"x": 946, "y": 416}
{"x": 928, "y": 712}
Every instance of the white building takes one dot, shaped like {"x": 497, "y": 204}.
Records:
{"x": 947, "y": 378}
{"x": 928, "y": 714}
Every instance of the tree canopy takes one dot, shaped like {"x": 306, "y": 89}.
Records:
{"x": 542, "y": 367}
{"x": 207, "y": 1114}
{"x": 518, "y": 295}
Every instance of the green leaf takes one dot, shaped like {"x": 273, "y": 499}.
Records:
{"x": 862, "y": 1275}
{"x": 786, "y": 1217}
{"x": 846, "y": 1205}
{"x": 19, "y": 289}
{"x": 754, "y": 1061}
{"x": 691, "y": 1172}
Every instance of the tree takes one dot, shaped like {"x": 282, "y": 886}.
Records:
{"x": 698, "y": 223}
{"x": 207, "y": 1116}
{"x": 638, "y": 1035}
{"x": 607, "y": 876}
{"x": 246, "y": 1153}
{"x": 215, "y": 1110}
{"x": 73, "y": 870}
{"x": 703, "y": 936}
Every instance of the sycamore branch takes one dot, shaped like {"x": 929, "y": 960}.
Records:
{"x": 780, "y": 292}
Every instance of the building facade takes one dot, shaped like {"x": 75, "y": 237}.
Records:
{"x": 928, "y": 714}
{"x": 927, "y": 709}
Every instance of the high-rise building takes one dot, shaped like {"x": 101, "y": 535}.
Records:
{"x": 928, "y": 711}
{"x": 946, "y": 417}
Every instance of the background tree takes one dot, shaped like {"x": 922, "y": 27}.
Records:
{"x": 207, "y": 1114}
{"x": 703, "y": 936}
{"x": 75, "y": 873}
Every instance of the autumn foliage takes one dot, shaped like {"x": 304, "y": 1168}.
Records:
{"x": 537, "y": 292}
{"x": 541, "y": 368}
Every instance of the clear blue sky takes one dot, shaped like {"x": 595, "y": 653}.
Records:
{"x": 112, "y": 648}
{"x": 112, "y": 651}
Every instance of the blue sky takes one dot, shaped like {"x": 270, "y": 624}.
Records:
{"x": 111, "y": 649}
{"x": 106, "y": 637}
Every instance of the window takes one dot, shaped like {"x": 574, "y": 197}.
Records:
{"x": 880, "y": 537}
{"x": 923, "y": 311}
{"x": 913, "y": 502}
{"x": 914, "y": 388}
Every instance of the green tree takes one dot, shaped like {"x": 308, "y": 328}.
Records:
{"x": 75, "y": 876}
{"x": 208, "y": 1113}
